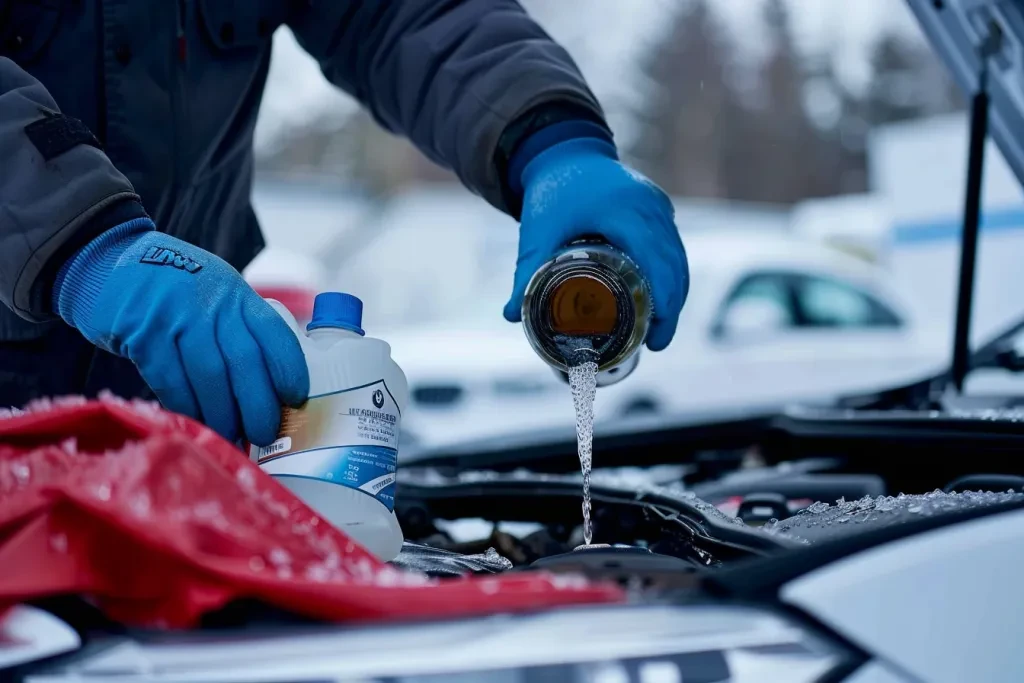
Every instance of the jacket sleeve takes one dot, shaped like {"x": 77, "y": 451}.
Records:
{"x": 450, "y": 75}
{"x": 57, "y": 191}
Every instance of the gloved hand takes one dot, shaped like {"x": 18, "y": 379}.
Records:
{"x": 204, "y": 341}
{"x": 578, "y": 187}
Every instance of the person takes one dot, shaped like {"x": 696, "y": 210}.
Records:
{"x": 126, "y": 136}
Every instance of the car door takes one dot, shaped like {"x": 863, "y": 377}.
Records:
{"x": 788, "y": 335}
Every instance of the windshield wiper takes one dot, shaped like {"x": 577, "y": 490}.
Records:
{"x": 972, "y": 211}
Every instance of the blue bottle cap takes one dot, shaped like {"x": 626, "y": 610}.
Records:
{"x": 337, "y": 310}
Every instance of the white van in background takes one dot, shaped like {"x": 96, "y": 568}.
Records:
{"x": 919, "y": 169}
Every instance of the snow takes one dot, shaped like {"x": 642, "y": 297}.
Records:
{"x": 811, "y": 524}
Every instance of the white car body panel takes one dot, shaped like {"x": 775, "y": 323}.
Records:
{"x": 877, "y": 672}
{"x": 592, "y": 636}
{"x": 28, "y": 634}
{"x": 942, "y": 605}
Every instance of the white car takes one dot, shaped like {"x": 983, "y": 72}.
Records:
{"x": 770, "y": 319}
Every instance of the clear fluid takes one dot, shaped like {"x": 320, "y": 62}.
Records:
{"x": 583, "y": 384}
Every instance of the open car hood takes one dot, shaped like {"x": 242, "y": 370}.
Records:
{"x": 958, "y": 31}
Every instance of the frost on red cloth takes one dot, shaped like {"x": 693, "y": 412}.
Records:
{"x": 159, "y": 520}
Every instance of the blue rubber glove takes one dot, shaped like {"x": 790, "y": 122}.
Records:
{"x": 577, "y": 187}
{"x": 204, "y": 341}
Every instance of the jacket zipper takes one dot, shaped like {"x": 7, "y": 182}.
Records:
{"x": 101, "y": 77}
{"x": 177, "y": 77}
{"x": 182, "y": 44}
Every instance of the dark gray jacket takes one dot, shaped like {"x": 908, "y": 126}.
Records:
{"x": 170, "y": 89}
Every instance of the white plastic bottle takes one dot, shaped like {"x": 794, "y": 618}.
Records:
{"x": 339, "y": 452}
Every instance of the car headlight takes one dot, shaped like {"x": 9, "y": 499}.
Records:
{"x": 627, "y": 644}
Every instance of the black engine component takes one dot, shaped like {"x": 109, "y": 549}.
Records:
{"x": 910, "y": 450}
{"x": 629, "y": 566}
{"x": 822, "y": 522}
{"x": 986, "y": 482}
{"x": 442, "y": 563}
{"x": 813, "y": 479}
{"x": 666, "y": 521}
{"x": 758, "y": 508}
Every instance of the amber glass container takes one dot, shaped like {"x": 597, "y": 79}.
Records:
{"x": 589, "y": 303}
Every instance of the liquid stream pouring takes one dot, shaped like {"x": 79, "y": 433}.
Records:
{"x": 586, "y": 313}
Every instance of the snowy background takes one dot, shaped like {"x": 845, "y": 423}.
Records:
{"x": 607, "y": 41}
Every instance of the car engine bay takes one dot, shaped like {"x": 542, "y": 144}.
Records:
{"x": 695, "y": 509}
{"x": 707, "y": 496}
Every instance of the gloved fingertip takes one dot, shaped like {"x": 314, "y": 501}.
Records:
{"x": 514, "y": 309}
{"x": 660, "y": 336}
{"x": 288, "y": 368}
{"x": 656, "y": 345}
{"x": 229, "y": 434}
{"x": 261, "y": 419}
{"x": 294, "y": 390}
{"x": 224, "y": 419}
{"x": 178, "y": 400}
{"x": 170, "y": 384}
{"x": 524, "y": 271}
{"x": 282, "y": 352}
{"x": 265, "y": 433}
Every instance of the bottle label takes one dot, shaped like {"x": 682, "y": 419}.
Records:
{"x": 348, "y": 437}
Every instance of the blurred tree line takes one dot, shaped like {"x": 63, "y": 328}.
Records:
{"x": 783, "y": 130}
{"x": 791, "y": 132}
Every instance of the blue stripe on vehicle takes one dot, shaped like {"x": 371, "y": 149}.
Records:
{"x": 1002, "y": 220}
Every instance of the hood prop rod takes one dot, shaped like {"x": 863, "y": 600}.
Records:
{"x": 972, "y": 211}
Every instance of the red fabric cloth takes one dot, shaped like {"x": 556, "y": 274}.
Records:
{"x": 158, "y": 520}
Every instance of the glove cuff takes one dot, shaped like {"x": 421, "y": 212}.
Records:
{"x": 575, "y": 147}
{"x": 81, "y": 278}
{"x": 549, "y": 137}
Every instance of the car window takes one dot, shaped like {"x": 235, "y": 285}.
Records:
{"x": 825, "y": 302}
{"x": 760, "y": 303}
